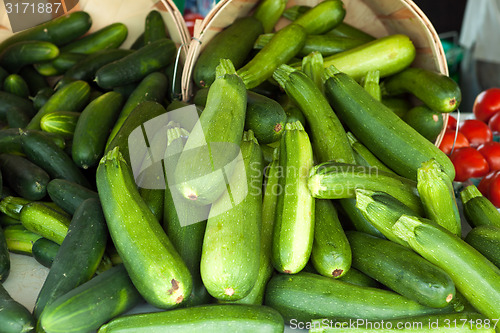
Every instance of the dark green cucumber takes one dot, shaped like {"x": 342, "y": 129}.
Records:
{"x": 10, "y": 140}
{"x": 4, "y": 257}
{"x": 42, "y": 97}
{"x": 425, "y": 121}
{"x": 331, "y": 254}
{"x": 62, "y": 123}
{"x": 401, "y": 269}
{"x": 17, "y": 118}
{"x": 134, "y": 67}
{"x": 333, "y": 180}
{"x": 486, "y": 239}
{"x": 15, "y": 318}
{"x": 44, "y": 221}
{"x": 152, "y": 88}
{"x": 108, "y": 37}
{"x": 35, "y": 81}
{"x": 24, "y": 177}
{"x": 322, "y": 18}
{"x": 93, "y": 303}
{"x": 154, "y": 28}
{"x": 85, "y": 70}
{"x": 268, "y": 12}
{"x": 72, "y": 97}
{"x": 307, "y": 296}
{"x": 328, "y": 136}
{"x": 284, "y": 45}
{"x": 44, "y": 251}
{"x": 475, "y": 277}
{"x": 293, "y": 233}
{"x": 51, "y": 158}
{"x": 87, "y": 232}
{"x": 15, "y": 84}
{"x": 235, "y": 232}
{"x": 67, "y": 60}
{"x": 20, "y": 54}
{"x": 438, "y": 91}
{"x": 210, "y": 318}
{"x": 12, "y": 205}
{"x": 478, "y": 210}
{"x": 92, "y": 128}
{"x": 154, "y": 266}
{"x": 59, "y": 31}
{"x": 11, "y": 101}
{"x": 242, "y": 32}
{"x": 397, "y": 144}
{"x": 19, "y": 239}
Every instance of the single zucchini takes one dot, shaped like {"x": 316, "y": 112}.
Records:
{"x": 478, "y": 210}
{"x": 45, "y": 221}
{"x": 371, "y": 83}
{"x": 312, "y": 65}
{"x": 365, "y": 157}
{"x": 268, "y": 12}
{"x": 62, "y": 123}
{"x": 486, "y": 239}
{"x": 294, "y": 223}
{"x": 425, "y": 121}
{"x": 44, "y": 251}
{"x": 356, "y": 277}
{"x": 15, "y": 318}
{"x": 20, "y": 54}
{"x": 323, "y": 17}
{"x": 19, "y": 239}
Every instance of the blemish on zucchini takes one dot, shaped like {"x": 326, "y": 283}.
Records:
{"x": 337, "y": 272}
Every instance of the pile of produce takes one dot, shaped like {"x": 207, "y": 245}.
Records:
{"x": 308, "y": 191}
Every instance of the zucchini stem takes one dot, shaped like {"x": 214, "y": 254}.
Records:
{"x": 282, "y": 74}
{"x": 225, "y": 67}
{"x": 469, "y": 193}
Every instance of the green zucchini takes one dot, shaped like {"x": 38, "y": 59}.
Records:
{"x": 242, "y": 32}
{"x": 45, "y": 221}
{"x": 71, "y": 97}
{"x": 4, "y": 257}
{"x": 397, "y": 144}
{"x": 91, "y": 304}
{"x": 20, "y": 54}
{"x": 92, "y": 128}
{"x": 312, "y": 66}
{"x": 328, "y": 136}
{"x": 214, "y": 142}
{"x": 68, "y": 195}
{"x": 365, "y": 157}
{"x": 356, "y": 218}
{"x": 331, "y": 253}
{"x": 108, "y": 37}
{"x": 87, "y": 232}
{"x": 62, "y": 123}
{"x": 346, "y": 30}
{"x": 154, "y": 28}
{"x": 399, "y": 105}
{"x": 474, "y": 276}
{"x": 24, "y": 177}
{"x": 210, "y": 318}
{"x": 137, "y": 65}
{"x": 438, "y": 91}
{"x": 15, "y": 318}
{"x": 425, "y": 121}
{"x": 306, "y": 296}
{"x": 294, "y": 223}
{"x": 15, "y": 84}
{"x": 371, "y": 83}
{"x": 19, "y": 239}
{"x": 486, "y": 239}
{"x": 284, "y": 45}
{"x": 44, "y": 251}
{"x": 154, "y": 199}
{"x": 233, "y": 229}
{"x": 35, "y": 81}
{"x": 478, "y": 210}
{"x": 401, "y": 269}
{"x": 268, "y": 12}
{"x": 12, "y": 206}
{"x": 323, "y": 17}
{"x": 51, "y": 158}
{"x": 152, "y": 262}
{"x": 85, "y": 69}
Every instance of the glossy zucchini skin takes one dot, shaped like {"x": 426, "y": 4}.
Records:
{"x": 45, "y": 221}
{"x": 486, "y": 239}
{"x": 322, "y": 18}
{"x": 478, "y": 210}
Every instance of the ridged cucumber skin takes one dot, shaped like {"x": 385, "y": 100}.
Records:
{"x": 137, "y": 65}
{"x": 331, "y": 253}
{"x": 4, "y": 257}
{"x": 478, "y": 210}
{"x": 210, "y": 318}
{"x": 62, "y": 123}
{"x": 439, "y": 92}
{"x": 15, "y": 84}
{"x": 333, "y": 180}
{"x": 327, "y": 133}
{"x": 397, "y": 144}
{"x": 214, "y": 141}
{"x": 72, "y": 97}
{"x": 243, "y": 32}
{"x": 284, "y": 45}
{"x": 87, "y": 232}
{"x": 306, "y": 296}
{"x": 92, "y": 129}
{"x": 486, "y": 239}
{"x": 154, "y": 266}
{"x": 235, "y": 232}
{"x": 91, "y": 304}
{"x": 44, "y": 251}
{"x": 108, "y": 37}
{"x": 474, "y": 276}
{"x": 59, "y": 31}
{"x": 293, "y": 233}
{"x": 15, "y": 318}
{"x": 401, "y": 269}
{"x": 45, "y": 221}
{"x": 68, "y": 195}
{"x": 20, "y": 54}
{"x": 24, "y": 177}
{"x": 85, "y": 69}
{"x": 154, "y": 27}
{"x": 322, "y": 18}
{"x": 19, "y": 239}
{"x": 152, "y": 88}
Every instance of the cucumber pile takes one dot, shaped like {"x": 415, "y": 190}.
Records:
{"x": 308, "y": 190}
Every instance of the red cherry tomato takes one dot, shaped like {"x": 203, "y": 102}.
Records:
{"x": 494, "y": 123}
{"x": 190, "y": 19}
{"x": 493, "y": 193}
{"x": 484, "y": 184}
{"x": 452, "y": 123}
{"x": 487, "y": 103}
{"x": 476, "y": 131}
{"x": 447, "y": 142}
{"x": 491, "y": 151}
{"x": 468, "y": 163}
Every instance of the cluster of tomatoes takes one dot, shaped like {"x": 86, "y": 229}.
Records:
{"x": 472, "y": 148}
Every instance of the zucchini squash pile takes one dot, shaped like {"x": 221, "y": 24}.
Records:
{"x": 307, "y": 192}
